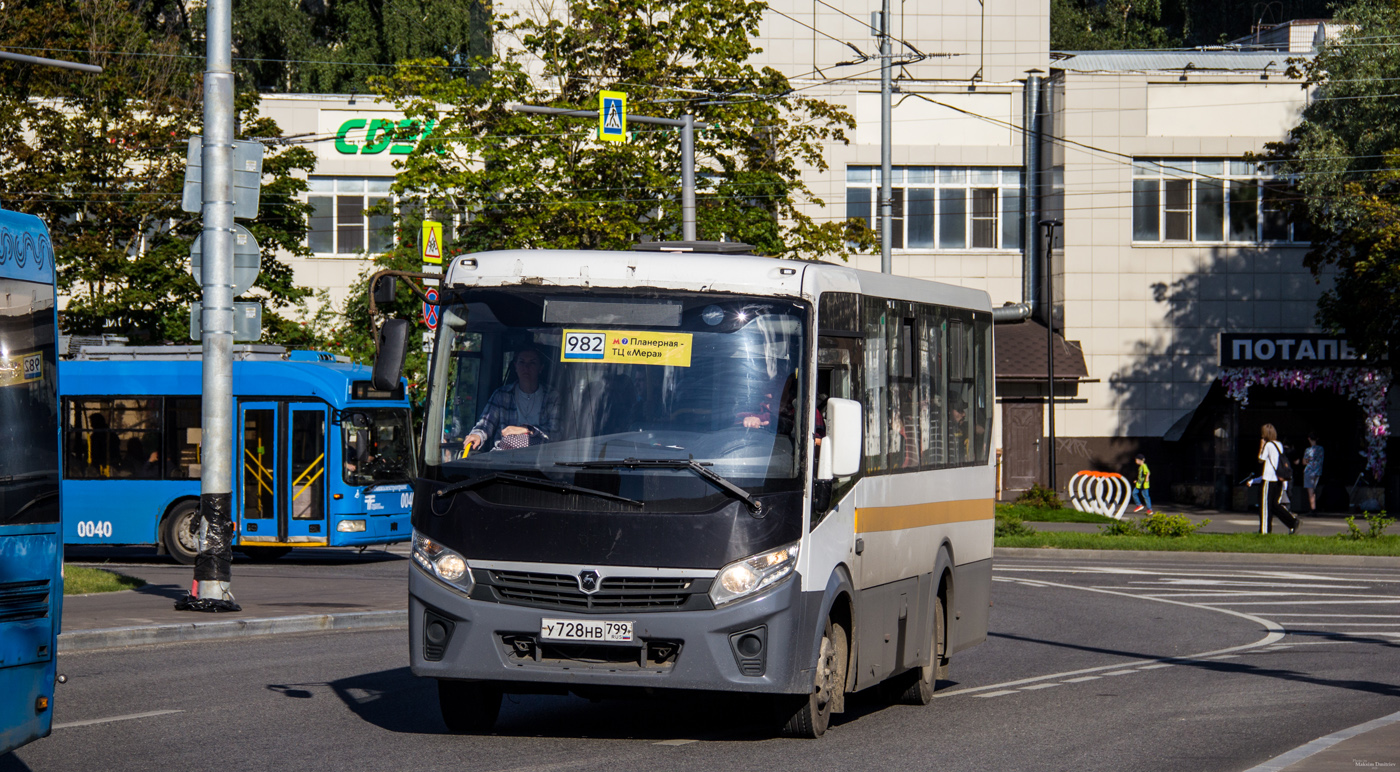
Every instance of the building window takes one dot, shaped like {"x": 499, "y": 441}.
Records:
{"x": 340, "y": 224}
{"x": 935, "y": 207}
{"x": 1211, "y": 200}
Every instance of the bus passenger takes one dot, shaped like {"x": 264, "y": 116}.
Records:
{"x": 519, "y": 404}
{"x": 103, "y": 448}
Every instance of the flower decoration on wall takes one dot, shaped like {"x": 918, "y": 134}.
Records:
{"x": 1368, "y": 387}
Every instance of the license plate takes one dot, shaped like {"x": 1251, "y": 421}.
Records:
{"x": 586, "y": 630}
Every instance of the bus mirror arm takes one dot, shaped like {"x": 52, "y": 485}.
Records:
{"x": 841, "y": 449}
{"x": 388, "y": 363}
{"x": 382, "y": 286}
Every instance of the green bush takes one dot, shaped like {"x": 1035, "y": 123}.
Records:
{"x": 1159, "y": 524}
{"x": 1376, "y": 527}
{"x": 1009, "y": 524}
{"x": 1156, "y": 524}
{"x": 1121, "y": 528}
{"x": 1041, "y": 497}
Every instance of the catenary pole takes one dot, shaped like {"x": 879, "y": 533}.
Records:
{"x": 212, "y": 574}
{"x": 886, "y": 163}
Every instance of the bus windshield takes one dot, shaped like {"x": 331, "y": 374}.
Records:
{"x": 377, "y": 447}
{"x": 528, "y": 381}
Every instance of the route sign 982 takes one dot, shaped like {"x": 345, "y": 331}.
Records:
{"x": 583, "y": 345}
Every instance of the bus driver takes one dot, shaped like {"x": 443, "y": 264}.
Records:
{"x": 519, "y": 404}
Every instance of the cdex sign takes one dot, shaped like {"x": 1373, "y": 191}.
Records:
{"x": 1288, "y": 350}
{"x": 372, "y": 136}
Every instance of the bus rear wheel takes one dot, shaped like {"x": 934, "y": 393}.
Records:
{"x": 180, "y": 533}
{"x": 809, "y": 716}
{"x": 916, "y": 686}
{"x": 468, "y": 707}
{"x": 263, "y": 554}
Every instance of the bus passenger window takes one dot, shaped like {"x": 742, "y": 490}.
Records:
{"x": 933, "y": 388}
{"x": 877, "y": 419}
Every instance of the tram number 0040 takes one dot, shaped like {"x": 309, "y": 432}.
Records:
{"x": 90, "y": 528}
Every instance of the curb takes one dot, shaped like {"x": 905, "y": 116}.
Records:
{"x": 117, "y": 637}
{"x": 1170, "y": 556}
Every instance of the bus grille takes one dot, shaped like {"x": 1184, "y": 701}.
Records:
{"x": 615, "y": 593}
{"x": 20, "y": 601}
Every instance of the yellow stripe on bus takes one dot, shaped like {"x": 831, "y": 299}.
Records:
{"x": 871, "y": 519}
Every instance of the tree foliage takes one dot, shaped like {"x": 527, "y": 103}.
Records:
{"x": 101, "y": 158}
{"x": 1345, "y": 155}
{"x": 1088, "y": 25}
{"x": 546, "y": 182}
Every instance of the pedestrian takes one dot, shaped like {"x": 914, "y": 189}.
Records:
{"x": 1272, "y": 480}
{"x": 1312, "y": 471}
{"x": 1142, "y": 489}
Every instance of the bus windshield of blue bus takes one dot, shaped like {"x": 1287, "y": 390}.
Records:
{"x": 28, "y": 404}
{"x": 530, "y": 382}
{"x": 378, "y": 448}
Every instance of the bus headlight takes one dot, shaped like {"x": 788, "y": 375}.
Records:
{"x": 350, "y": 526}
{"x": 442, "y": 562}
{"x": 745, "y": 577}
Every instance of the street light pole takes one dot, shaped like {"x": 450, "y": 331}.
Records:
{"x": 1048, "y": 304}
{"x": 212, "y": 571}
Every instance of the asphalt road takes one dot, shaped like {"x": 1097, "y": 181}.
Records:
{"x": 1090, "y": 666}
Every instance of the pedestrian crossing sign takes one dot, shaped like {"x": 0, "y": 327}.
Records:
{"x": 612, "y": 116}
{"x": 432, "y": 242}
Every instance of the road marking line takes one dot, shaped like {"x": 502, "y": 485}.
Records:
{"x": 1342, "y": 616}
{"x": 1000, "y": 694}
{"x": 1275, "y": 634}
{"x": 1166, "y": 664}
{"x": 676, "y": 742}
{"x": 1226, "y": 656}
{"x": 1082, "y": 679}
{"x": 128, "y": 717}
{"x": 1039, "y": 686}
{"x": 1306, "y": 602}
{"x": 1120, "y": 672}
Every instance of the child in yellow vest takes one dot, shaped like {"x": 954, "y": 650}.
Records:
{"x": 1142, "y": 489}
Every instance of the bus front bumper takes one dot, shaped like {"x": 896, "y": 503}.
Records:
{"x": 706, "y": 650}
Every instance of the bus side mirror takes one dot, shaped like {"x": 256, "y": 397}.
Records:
{"x": 841, "y": 449}
{"x": 393, "y": 344}
{"x": 384, "y": 290}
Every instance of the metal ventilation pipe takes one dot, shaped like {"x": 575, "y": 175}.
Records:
{"x": 1030, "y": 241}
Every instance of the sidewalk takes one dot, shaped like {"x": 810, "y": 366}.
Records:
{"x": 1225, "y": 522}
{"x": 335, "y": 590}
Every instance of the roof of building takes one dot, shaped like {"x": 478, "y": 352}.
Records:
{"x": 1224, "y": 60}
{"x": 1020, "y": 353}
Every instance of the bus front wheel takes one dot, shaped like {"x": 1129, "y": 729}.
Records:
{"x": 468, "y": 707}
{"x": 809, "y": 716}
{"x": 180, "y": 533}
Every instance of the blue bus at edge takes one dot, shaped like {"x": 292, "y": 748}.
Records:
{"x": 31, "y": 550}
{"x": 322, "y": 458}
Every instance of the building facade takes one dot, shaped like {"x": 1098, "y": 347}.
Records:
{"x": 1169, "y": 237}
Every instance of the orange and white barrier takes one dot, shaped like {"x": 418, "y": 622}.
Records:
{"x": 1100, "y": 493}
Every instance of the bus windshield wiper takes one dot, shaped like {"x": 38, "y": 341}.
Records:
{"x": 702, "y": 469}
{"x": 540, "y": 482}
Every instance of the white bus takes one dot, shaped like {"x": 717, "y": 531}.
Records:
{"x": 704, "y": 472}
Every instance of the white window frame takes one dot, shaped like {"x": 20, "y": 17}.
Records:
{"x": 1193, "y": 172}
{"x": 1005, "y": 180}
